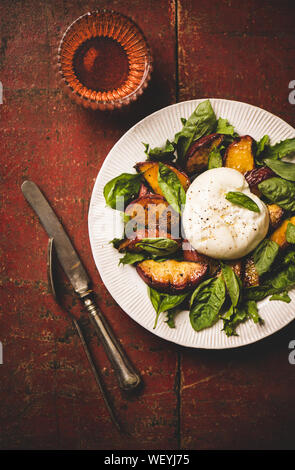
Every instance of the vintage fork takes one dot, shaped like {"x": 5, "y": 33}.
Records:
{"x": 52, "y": 284}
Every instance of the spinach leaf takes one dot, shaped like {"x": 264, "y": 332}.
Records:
{"x": 165, "y": 153}
{"x": 158, "y": 246}
{"x": 232, "y": 282}
{"x": 279, "y": 191}
{"x": 201, "y": 122}
{"x": 283, "y": 297}
{"x": 285, "y": 148}
{"x": 264, "y": 255}
{"x": 242, "y": 200}
{"x": 164, "y": 302}
{"x": 121, "y": 190}
{"x": 131, "y": 258}
{"x": 215, "y": 159}
{"x": 171, "y": 187}
{"x": 290, "y": 233}
{"x": 224, "y": 127}
{"x": 206, "y": 303}
{"x": 262, "y": 144}
{"x": 285, "y": 170}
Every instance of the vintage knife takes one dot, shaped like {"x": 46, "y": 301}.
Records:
{"x": 127, "y": 377}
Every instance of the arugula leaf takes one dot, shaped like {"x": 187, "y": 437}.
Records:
{"x": 165, "y": 153}
{"x": 285, "y": 148}
{"x": 131, "y": 258}
{"x": 232, "y": 282}
{"x": 171, "y": 187}
{"x": 224, "y": 127}
{"x": 283, "y": 297}
{"x": 242, "y": 200}
{"x": 122, "y": 189}
{"x": 201, "y": 122}
{"x": 215, "y": 159}
{"x": 279, "y": 191}
{"x": 285, "y": 170}
{"x": 164, "y": 302}
{"x": 290, "y": 233}
{"x": 206, "y": 303}
{"x": 158, "y": 246}
{"x": 264, "y": 255}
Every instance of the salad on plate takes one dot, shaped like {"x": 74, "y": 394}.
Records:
{"x": 209, "y": 222}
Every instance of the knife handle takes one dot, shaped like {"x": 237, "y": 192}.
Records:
{"x": 126, "y": 375}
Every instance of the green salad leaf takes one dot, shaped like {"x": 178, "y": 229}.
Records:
{"x": 201, "y": 122}
{"x": 280, "y": 281}
{"x": 285, "y": 170}
{"x": 215, "y": 159}
{"x": 290, "y": 233}
{"x": 158, "y": 246}
{"x": 262, "y": 144}
{"x": 264, "y": 255}
{"x": 279, "y": 191}
{"x": 206, "y": 303}
{"x": 121, "y": 190}
{"x": 241, "y": 199}
{"x": 165, "y": 153}
{"x": 283, "y": 297}
{"x": 285, "y": 148}
{"x": 232, "y": 282}
{"x": 224, "y": 127}
{"x": 171, "y": 187}
{"x": 164, "y": 302}
{"x": 289, "y": 257}
{"x": 131, "y": 258}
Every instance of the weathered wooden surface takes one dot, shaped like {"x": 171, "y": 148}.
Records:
{"x": 191, "y": 399}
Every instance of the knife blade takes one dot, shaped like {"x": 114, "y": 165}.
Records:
{"x": 66, "y": 253}
{"x": 126, "y": 375}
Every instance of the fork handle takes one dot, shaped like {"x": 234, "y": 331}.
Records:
{"x": 126, "y": 375}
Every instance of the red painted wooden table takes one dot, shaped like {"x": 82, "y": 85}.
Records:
{"x": 191, "y": 399}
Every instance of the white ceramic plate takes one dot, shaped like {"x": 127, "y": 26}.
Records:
{"x": 123, "y": 283}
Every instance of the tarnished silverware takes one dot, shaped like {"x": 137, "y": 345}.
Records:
{"x": 126, "y": 375}
{"x": 52, "y": 284}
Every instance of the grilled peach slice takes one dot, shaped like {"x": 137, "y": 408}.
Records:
{"x": 150, "y": 211}
{"x": 190, "y": 254}
{"x": 197, "y": 156}
{"x": 149, "y": 171}
{"x": 251, "y": 276}
{"x": 279, "y": 235}
{"x": 171, "y": 276}
{"x": 276, "y": 214}
{"x": 239, "y": 154}
{"x": 256, "y": 176}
